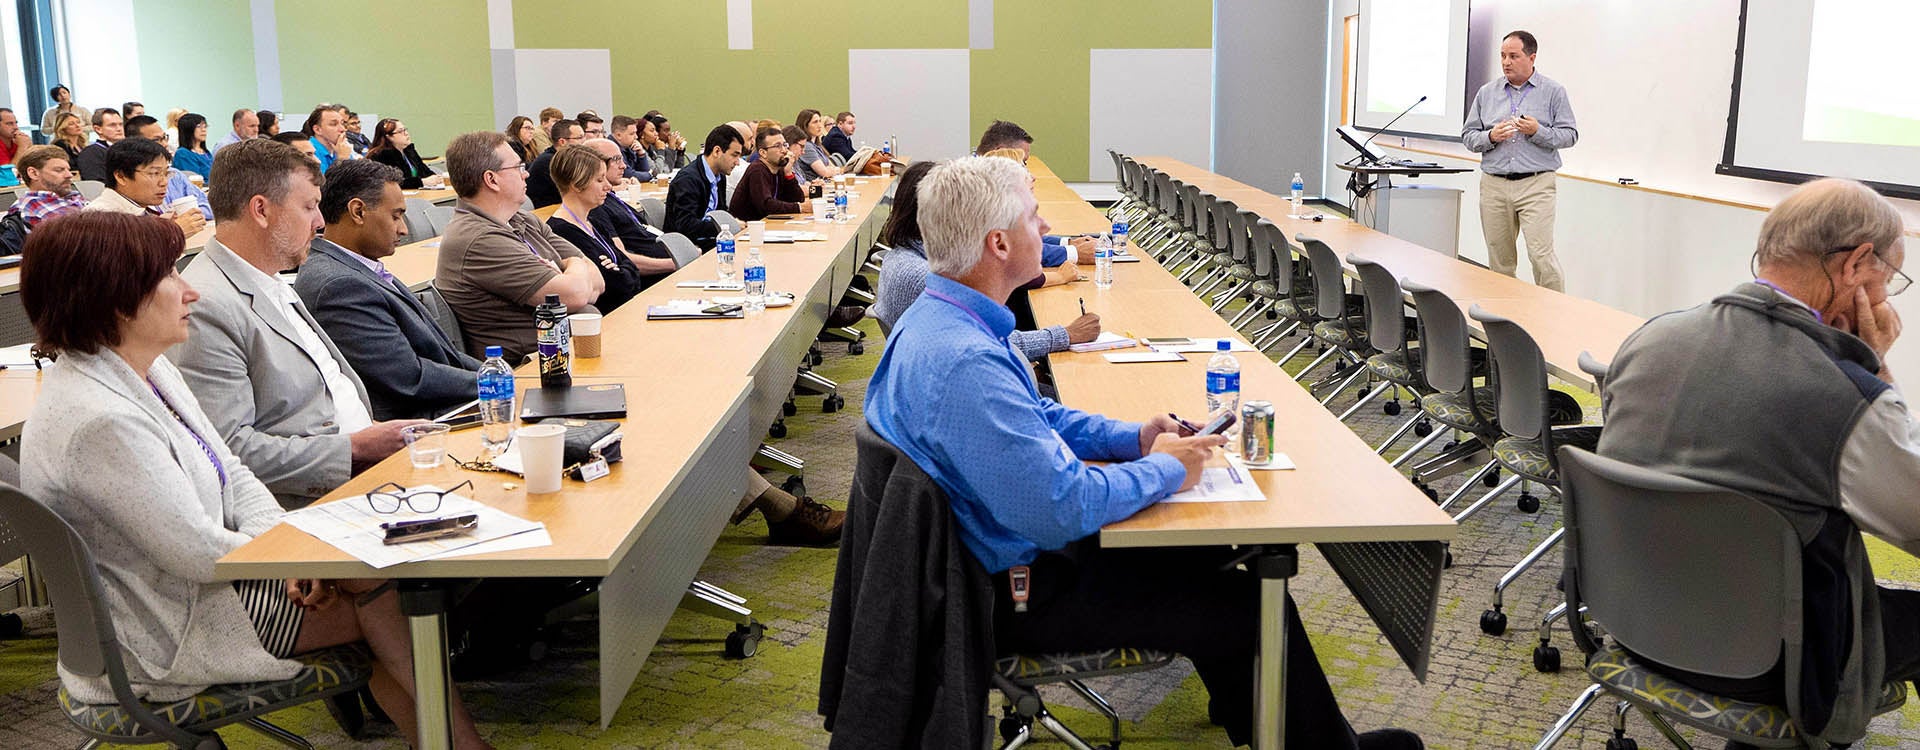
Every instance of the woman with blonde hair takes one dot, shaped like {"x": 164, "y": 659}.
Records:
{"x": 70, "y": 134}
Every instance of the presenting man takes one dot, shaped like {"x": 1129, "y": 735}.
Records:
{"x": 1518, "y": 124}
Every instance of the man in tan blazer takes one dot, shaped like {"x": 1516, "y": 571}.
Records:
{"x": 265, "y": 372}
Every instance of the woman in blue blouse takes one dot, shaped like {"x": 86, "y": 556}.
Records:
{"x": 192, "y": 154}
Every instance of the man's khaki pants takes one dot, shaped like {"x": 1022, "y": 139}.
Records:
{"x": 1514, "y": 207}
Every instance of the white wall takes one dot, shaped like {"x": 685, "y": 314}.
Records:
{"x": 1649, "y": 84}
{"x": 1122, "y": 83}
{"x": 921, "y": 96}
{"x": 107, "y": 71}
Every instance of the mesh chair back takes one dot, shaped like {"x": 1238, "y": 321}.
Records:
{"x": 1444, "y": 360}
{"x": 1230, "y": 229}
{"x": 722, "y": 218}
{"x": 442, "y": 314}
{"x": 1519, "y": 377}
{"x": 1684, "y": 573}
{"x": 1329, "y": 280}
{"x": 9, "y": 474}
{"x": 655, "y": 211}
{"x": 419, "y": 227}
{"x": 1169, "y": 197}
{"x": 1386, "y": 306}
{"x": 1268, "y": 234}
{"x": 439, "y": 217}
{"x": 683, "y": 249}
{"x": 1259, "y": 248}
{"x": 86, "y": 637}
{"x": 90, "y": 189}
{"x": 1119, "y": 170}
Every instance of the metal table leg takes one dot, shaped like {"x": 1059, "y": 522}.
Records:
{"x": 425, "y": 604}
{"x": 1273, "y": 565}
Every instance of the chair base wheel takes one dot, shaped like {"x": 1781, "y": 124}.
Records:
{"x": 1432, "y": 494}
{"x": 1448, "y": 563}
{"x": 1013, "y": 725}
{"x": 778, "y": 430}
{"x": 744, "y": 641}
{"x": 1546, "y": 658}
{"x": 795, "y": 486}
{"x": 1492, "y": 479}
{"x": 789, "y": 408}
{"x": 11, "y": 626}
{"x": 1423, "y": 428}
{"x": 1528, "y": 503}
{"x": 1622, "y": 743}
{"x": 1392, "y": 409}
{"x": 856, "y": 348}
{"x": 832, "y": 403}
{"x": 1493, "y": 622}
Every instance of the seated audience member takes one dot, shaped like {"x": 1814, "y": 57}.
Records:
{"x": 904, "y": 275}
{"x": 69, "y": 134}
{"x": 1059, "y": 247}
{"x": 591, "y": 126}
{"x": 137, "y": 184}
{"x": 699, "y": 187}
{"x": 108, "y": 129}
{"x": 1804, "y": 343}
{"x": 173, "y": 119}
{"x": 49, "y": 183}
{"x": 618, "y": 220}
{"x": 299, "y": 142}
{"x": 954, "y": 397}
{"x": 739, "y": 166}
{"x": 246, "y": 127}
{"x": 496, "y": 261}
{"x": 192, "y": 154}
{"x": 542, "y": 136}
{"x": 132, "y": 109}
{"x": 327, "y": 126}
{"x": 839, "y": 140}
{"x": 581, "y": 173}
{"x": 766, "y": 188}
{"x": 393, "y": 146}
{"x": 813, "y": 164}
{"x": 665, "y": 148}
{"x": 1003, "y": 134}
{"x": 269, "y": 123}
{"x": 273, "y": 383}
{"x": 14, "y": 142}
{"x": 520, "y": 132}
{"x": 62, "y": 105}
{"x": 540, "y": 187}
{"x": 410, "y": 367}
{"x": 178, "y": 186}
{"x": 356, "y": 139}
{"x": 121, "y": 449}
{"x": 625, "y": 132}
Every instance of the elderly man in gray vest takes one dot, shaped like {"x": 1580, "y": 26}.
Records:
{"x": 1780, "y": 389}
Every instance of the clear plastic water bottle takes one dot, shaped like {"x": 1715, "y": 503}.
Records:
{"x": 829, "y": 206}
{"x": 1119, "y": 237}
{"x": 887, "y": 148}
{"x": 1103, "y": 263}
{"x": 723, "y": 248}
{"x": 840, "y": 215}
{"x": 1299, "y": 195}
{"x": 1223, "y": 380}
{"x": 496, "y": 402}
{"x": 755, "y": 274}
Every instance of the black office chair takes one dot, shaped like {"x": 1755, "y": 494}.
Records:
{"x": 1720, "y": 594}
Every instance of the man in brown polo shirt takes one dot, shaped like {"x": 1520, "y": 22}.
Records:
{"x": 496, "y": 261}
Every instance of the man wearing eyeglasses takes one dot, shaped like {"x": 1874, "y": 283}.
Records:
{"x": 765, "y": 188}
{"x": 1780, "y": 389}
{"x": 540, "y": 185}
{"x": 496, "y": 261}
{"x": 178, "y": 186}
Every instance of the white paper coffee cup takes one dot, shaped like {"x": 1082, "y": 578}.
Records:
{"x": 542, "y": 448}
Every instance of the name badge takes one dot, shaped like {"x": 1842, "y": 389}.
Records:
{"x": 594, "y": 469}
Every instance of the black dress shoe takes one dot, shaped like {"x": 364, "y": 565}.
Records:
{"x": 1391, "y": 739}
{"x": 845, "y": 315}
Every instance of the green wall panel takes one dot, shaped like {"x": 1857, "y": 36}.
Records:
{"x": 1045, "y": 90}
{"x": 218, "y": 77}
{"x": 426, "y": 63}
{"x": 1105, "y": 24}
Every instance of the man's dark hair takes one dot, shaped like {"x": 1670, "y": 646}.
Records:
{"x": 1528, "y": 44}
{"x": 760, "y": 136}
{"x": 842, "y": 117}
{"x": 130, "y": 105}
{"x": 720, "y": 137}
{"x": 620, "y": 122}
{"x": 470, "y": 156}
{"x": 136, "y": 122}
{"x": 561, "y": 127}
{"x": 255, "y": 167}
{"x": 364, "y": 179}
{"x": 100, "y": 115}
{"x": 794, "y": 134}
{"x": 288, "y": 137}
{"x": 129, "y": 155}
{"x": 587, "y": 118}
{"x": 1003, "y": 134}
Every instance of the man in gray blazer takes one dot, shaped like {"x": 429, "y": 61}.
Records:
{"x": 372, "y": 317}
{"x": 261, "y": 367}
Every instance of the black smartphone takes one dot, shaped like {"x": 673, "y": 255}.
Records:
{"x": 1219, "y": 424}
{"x": 401, "y": 532}
{"x": 722, "y": 310}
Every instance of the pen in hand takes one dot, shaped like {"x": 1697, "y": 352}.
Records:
{"x": 1083, "y": 305}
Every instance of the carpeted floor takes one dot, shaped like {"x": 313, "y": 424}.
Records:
{"x": 1482, "y": 691}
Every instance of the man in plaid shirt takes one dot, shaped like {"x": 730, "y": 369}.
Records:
{"x": 50, "y": 190}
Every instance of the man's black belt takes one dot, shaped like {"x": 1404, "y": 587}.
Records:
{"x": 1519, "y": 175}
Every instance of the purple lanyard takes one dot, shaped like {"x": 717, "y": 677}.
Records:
{"x": 1513, "y": 107}
{"x": 212, "y": 457}
{"x": 591, "y": 232}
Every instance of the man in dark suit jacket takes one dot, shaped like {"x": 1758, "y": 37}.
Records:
{"x": 410, "y": 367}
{"x": 839, "y": 138}
{"x": 540, "y": 187}
{"x": 702, "y": 186}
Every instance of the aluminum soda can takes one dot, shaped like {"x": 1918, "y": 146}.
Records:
{"x": 1256, "y": 432}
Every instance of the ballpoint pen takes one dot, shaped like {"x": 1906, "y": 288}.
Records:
{"x": 1083, "y": 305}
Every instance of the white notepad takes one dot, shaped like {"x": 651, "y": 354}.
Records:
{"x": 1126, "y": 358}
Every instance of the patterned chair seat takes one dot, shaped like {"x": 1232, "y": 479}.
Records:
{"x": 1241, "y": 270}
{"x": 1353, "y": 335}
{"x": 1755, "y": 723}
{"x": 327, "y": 672}
{"x": 1529, "y": 458}
{"x": 1452, "y": 410}
{"x": 1287, "y": 309}
{"x": 1266, "y": 288}
{"x": 1394, "y": 367}
{"x": 1043, "y": 668}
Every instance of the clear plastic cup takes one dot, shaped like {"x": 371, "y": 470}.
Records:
{"x": 426, "y": 444}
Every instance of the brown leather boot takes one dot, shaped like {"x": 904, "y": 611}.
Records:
{"x": 810, "y": 525}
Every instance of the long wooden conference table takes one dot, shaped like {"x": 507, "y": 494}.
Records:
{"x": 699, "y": 396}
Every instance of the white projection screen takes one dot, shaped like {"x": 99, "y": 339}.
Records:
{"x": 1409, "y": 49}
{"x": 1820, "y": 89}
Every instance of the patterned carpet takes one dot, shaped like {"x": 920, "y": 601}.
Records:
{"x": 1482, "y": 691}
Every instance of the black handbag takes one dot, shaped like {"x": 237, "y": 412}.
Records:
{"x": 588, "y": 440}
